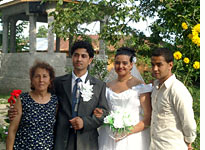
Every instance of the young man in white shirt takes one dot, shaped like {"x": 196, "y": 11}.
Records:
{"x": 172, "y": 126}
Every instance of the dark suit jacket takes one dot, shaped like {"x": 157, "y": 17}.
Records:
{"x": 87, "y": 138}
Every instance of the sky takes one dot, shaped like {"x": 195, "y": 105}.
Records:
{"x": 5, "y": 1}
{"x": 95, "y": 27}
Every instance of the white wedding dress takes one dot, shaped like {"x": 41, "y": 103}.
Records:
{"x": 128, "y": 100}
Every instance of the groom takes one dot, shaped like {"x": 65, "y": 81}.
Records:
{"x": 76, "y": 126}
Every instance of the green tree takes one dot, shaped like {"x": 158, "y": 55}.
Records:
{"x": 172, "y": 15}
{"x": 116, "y": 14}
{"x": 42, "y": 32}
{"x": 21, "y": 40}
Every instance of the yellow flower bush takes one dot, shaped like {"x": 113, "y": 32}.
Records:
{"x": 197, "y": 28}
{"x": 184, "y": 26}
{"x": 196, "y": 65}
{"x": 185, "y": 69}
{"x": 190, "y": 36}
{"x": 177, "y": 55}
{"x": 195, "y": 34}
{"x": 186, "y": 60}
{"x": 196, "y": 40}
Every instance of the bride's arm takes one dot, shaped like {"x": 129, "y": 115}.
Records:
{"x": 146, "y": 106}
{"x": 98, "y": 112}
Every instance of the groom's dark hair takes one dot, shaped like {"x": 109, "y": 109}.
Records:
{"x": 83, "y": 44}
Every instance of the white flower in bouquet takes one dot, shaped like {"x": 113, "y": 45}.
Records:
{"x": 108, "y": 119}
{"x": 129, "y": 119}
{"x": 120, "y": 122}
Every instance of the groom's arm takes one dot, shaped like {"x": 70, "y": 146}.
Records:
{"x": 92, "y": 122}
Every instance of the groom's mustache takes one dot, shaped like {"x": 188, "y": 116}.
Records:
{"x": 79, "y": 62}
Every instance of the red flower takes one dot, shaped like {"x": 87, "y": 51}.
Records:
{"x": 16, "y": 93}
{"x": 11, "y": 100}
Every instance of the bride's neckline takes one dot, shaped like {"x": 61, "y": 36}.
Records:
{"x": 122, "y": 80}
{"x": 124, "y": 90}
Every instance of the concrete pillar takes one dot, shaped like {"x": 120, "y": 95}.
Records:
{"x": 102, "y": 46}
{"x": 70, "y": 45}
{"x": 5, "y": 34}
{"x": 13, "y": 35}
{"x": 50, "y": 33}
{"x": 57, "y": 44}
{"x": 32, "y": 33}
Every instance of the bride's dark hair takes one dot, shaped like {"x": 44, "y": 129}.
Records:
{"x": 126, "y": 51}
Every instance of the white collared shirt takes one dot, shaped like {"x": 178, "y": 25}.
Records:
{"x": 172, "y": 116}
{"x": 74, "y": 77}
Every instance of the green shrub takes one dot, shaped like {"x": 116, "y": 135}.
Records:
{"x": 195, "y": 92}
{"x": 3, "y": 133}
{"x": 98, "y": 68}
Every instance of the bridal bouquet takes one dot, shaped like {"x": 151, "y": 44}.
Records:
{"x": 120, "y": 123}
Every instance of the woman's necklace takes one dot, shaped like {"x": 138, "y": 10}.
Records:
{"x": 125, "y": 79}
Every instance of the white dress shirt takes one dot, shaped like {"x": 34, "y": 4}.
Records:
{"x": 172, "y": 121}
{"x": 74, "y": 77}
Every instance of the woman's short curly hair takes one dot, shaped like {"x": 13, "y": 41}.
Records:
{"x": 46, "y": 66}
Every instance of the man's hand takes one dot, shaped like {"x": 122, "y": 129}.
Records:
{"x": 98, "y": 112}
{"x": 12, "y": 112}
{"x": 77, "y": 123}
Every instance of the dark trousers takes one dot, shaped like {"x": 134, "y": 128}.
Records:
{"x": 72, "y": 143}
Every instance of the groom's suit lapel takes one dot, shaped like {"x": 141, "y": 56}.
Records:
{"x": 67, "y": 85}
{"x": 89, "y": 77}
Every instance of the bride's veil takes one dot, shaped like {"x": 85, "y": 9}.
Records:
{"x": 112, "y": 75}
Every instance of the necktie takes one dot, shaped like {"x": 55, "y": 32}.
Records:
{"x": 75, "y": 97}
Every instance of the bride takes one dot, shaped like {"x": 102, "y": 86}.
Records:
{"x": 129, "y": 93}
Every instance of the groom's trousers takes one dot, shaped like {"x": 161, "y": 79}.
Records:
{"x": 72, "y": 140}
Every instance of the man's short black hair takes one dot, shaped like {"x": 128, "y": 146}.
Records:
{"x": 165, "y": 52}
{"x": 83, "y": 44}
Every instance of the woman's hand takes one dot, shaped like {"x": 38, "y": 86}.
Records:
{"x": 98, "y": 112}
{"x": 120, "y": 137}
{"x": 12, "y": 112}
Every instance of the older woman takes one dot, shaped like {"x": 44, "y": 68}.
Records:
{"x": 33, "y": 126}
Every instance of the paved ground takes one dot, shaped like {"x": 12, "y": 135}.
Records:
{"x": 3, "y": 113}
{"x": 2, "y": 146}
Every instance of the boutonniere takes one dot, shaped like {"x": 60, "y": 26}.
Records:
{"x": 86, "y": 90}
